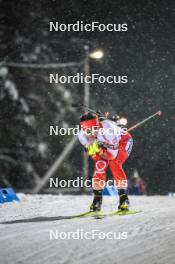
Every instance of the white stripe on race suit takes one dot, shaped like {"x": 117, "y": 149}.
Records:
{"x": 129, "y": 145}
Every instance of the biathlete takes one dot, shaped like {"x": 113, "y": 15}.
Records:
{"x": 107, "y": 144}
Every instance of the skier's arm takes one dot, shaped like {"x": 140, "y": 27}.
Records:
{"x": 91, "y": 148}
{"x": 96, "y": 149}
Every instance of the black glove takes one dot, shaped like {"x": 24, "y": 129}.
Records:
{"x": 102, "y": 144}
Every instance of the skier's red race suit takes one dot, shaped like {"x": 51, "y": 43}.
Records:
{"x": 119, "y": 148}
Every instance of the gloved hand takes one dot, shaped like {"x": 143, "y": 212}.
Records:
{"x": 93, "y": 148}
{"x": 101, "y": 144}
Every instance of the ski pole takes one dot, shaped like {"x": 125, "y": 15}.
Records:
{"x": 158, "y": 113}
{"x": 107, "y": 114}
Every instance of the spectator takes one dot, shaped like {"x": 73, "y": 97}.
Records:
{"x": 136, "y": 185}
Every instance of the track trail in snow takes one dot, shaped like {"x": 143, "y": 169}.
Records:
{"x": 150, "y": 234}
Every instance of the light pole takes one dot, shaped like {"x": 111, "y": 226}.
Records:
{"x": 96, "y": 54}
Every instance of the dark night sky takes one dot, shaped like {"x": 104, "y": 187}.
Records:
{"x": 143, "y": 51}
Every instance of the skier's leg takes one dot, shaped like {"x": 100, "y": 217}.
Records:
{"x": 98, "y": 183}
{"x": 119, "y": 174}
{"x": 117, "y": 170}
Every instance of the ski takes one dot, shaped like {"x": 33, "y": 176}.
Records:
{"x": 96, "y": 215}
{"x": 120, "y": 212}
{"x": 102, "y": 214}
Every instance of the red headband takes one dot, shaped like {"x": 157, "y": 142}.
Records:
{"x": 89, "y": 123}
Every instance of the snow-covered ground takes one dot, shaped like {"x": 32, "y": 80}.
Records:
{"x": 149, "y": 236}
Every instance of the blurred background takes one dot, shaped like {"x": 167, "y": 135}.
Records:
{"x": 29, "y": 52}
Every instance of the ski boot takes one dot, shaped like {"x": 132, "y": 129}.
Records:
{"x": 97, "y": 201}
{"x": 123, "y": 200}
